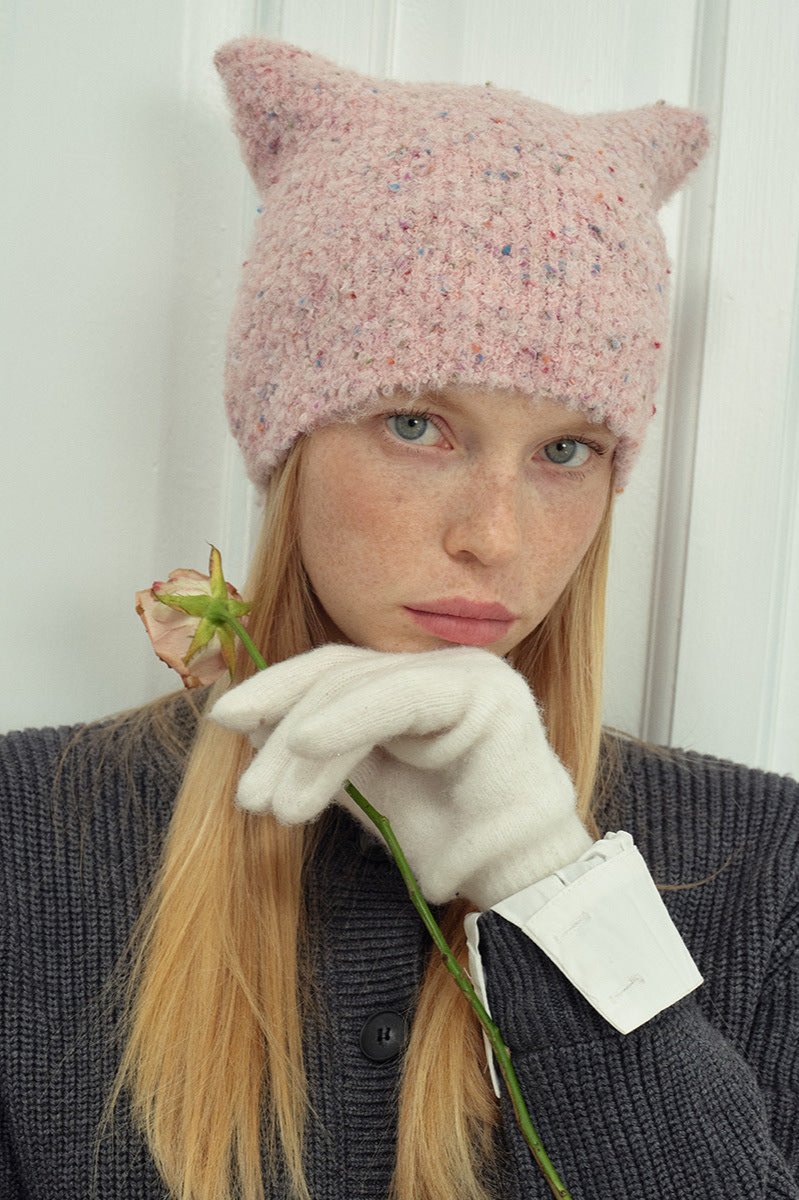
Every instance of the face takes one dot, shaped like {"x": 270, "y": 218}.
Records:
{"x": 458, "y": 519}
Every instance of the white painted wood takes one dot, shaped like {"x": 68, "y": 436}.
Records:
{"x": 738, "y": 613}
{"x": 683, "y": 387}
{"x": 126, "y": 212}
{"x": 120, "y": 249}
{"x": 778, "y": 719}
{"x": 778, "y": 728}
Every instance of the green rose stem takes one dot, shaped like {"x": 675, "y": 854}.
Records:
{"x": 464, "y": 983}
{"x": 219, "y": 614}
{"x": 453, "y": 966}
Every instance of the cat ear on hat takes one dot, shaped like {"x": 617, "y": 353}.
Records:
{"x": 278, "y": 93}
{"x": 668, "y": 143}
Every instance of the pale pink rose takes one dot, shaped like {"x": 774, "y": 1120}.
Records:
{"x": 172, "y": 631}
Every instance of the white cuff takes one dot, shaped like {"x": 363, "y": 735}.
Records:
{"x": 602, "y": 922}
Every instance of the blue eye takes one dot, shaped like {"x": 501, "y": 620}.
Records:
{"x": 413, "y": 427}
{"x": 567, "y": 452}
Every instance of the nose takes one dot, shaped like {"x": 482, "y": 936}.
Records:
{"x": 485, "y": 521}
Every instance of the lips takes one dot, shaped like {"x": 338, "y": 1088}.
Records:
{"x": 456, "y": 606}
{"x": 465, "y": 622}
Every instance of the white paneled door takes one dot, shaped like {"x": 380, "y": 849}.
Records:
{"x": 125, "y": 215}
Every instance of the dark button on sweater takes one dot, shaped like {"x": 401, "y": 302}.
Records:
{"x": 383, "y": 1036}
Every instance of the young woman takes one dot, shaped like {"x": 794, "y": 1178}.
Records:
{"x": 214, "y": 984}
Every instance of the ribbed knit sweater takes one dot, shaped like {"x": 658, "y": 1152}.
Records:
{"x": 700, "y": 1102}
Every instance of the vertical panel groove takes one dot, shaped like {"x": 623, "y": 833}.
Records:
{"x": 684, "y": 385}
{"x": 382, "y": 38}
{"x": 781, "y": 611}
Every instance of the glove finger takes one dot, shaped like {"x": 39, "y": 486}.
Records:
{"x": 294, "y": 788}
{"x": 309, "y": 786}
{"x": 406, "y": 698}
{"x": 267, "y": 696}
{"x": 255, "y": 786}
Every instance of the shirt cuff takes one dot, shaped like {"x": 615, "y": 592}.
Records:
{"x": 603, "y": 923}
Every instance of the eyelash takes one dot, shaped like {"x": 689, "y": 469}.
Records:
{"x": 417, "y": 413}
{"x": 575, "y": 472}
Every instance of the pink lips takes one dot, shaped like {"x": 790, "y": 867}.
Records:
{"x": 467, "y": 622}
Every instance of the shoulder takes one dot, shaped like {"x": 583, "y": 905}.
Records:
{"x": 709, "y": 807}
{"x": 722, "y": 842}
{"x": 684, "y": 777}
{"x": 84, "y": 811}
{"x": 60, "y": 783}
{"x": 30, "y": 754}
{"x": 29, "y": 762}
{"x": 680, "y": 774}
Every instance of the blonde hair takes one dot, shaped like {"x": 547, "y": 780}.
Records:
{"x": 216, "y": 999}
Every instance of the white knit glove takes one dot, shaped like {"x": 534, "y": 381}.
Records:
{"x": 448, "y": 744}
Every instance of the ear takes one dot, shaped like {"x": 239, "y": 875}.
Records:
{"x": 280, "y": 94}
{"x": 665, "y": 142}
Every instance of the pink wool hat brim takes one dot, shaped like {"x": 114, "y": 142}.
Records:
{"x": 419, "y": 234}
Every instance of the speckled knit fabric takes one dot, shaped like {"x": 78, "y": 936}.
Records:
{"x": 414, "y": 234}
{"x": 701, "y": 1102}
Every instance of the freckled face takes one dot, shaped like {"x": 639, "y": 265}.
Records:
{"x": 459, "y": 522}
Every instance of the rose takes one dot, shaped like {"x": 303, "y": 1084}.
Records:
{"x": 193, "y": 618}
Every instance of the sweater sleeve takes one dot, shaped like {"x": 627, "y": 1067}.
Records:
{"x": 670, "y": 1110}
{"x": 773, "y": 1046}
{"x": 702, "y": 1100}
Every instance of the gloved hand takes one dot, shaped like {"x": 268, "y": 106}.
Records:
{"x": 448, "y": 744}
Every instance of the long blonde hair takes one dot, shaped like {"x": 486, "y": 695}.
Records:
{"x": 213, "y": 1057}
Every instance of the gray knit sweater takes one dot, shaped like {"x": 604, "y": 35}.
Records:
{"x": 701, "y": 1102}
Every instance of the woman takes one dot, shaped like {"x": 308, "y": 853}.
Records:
{"x": 440, "y": 369}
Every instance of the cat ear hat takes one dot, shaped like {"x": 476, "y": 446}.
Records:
{"x": 417, "y": 234}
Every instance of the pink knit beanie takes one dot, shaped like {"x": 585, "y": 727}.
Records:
{"x": 419, "y": 234}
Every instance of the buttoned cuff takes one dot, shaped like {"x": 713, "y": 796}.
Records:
{"x": 602, "y": 922}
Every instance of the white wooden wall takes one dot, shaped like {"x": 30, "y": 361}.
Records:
{"x": 125, "y": 213}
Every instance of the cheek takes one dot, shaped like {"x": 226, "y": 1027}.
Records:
{"x": 344, "y": 526}
{"x": 586, "y": 522}
{"x": 564, "y": 538}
